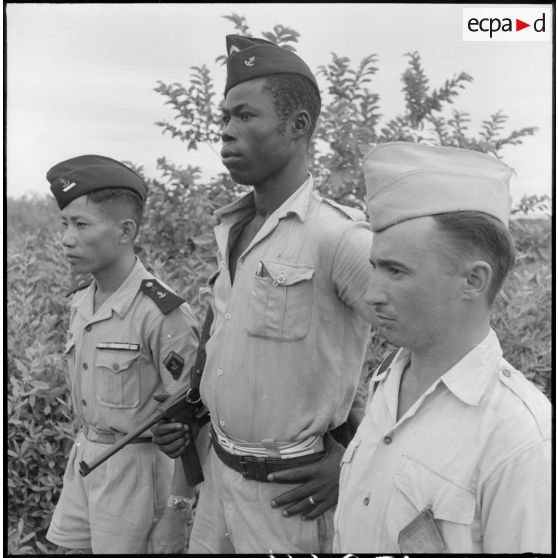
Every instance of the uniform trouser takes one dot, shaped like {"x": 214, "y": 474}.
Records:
{"x": 113, "y": 509}
{"x": 234, "y": 515}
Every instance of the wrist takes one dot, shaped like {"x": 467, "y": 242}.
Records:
{"x": 180, "y": 504}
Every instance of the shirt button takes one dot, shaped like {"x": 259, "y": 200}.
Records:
{"x": 84, "y": 366}
{"x": 221, "y": 423}
{"x": 116, "y": 367}
{"x": 83, "y": 402}
{"x": 88, "y": 328}
{"x": 366, "y": 500}
{"x": 506, "y": 373}
{"x": 275, "y": 284}
{"x": 219, "y": 372}
{"x": 227, "y": 316}
{"x": 387, "y": 440}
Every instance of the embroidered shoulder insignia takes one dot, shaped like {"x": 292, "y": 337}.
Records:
{"x": 174, "y": 363}
{"x": 80, "y": 284}
{"x": 165, "y": 300}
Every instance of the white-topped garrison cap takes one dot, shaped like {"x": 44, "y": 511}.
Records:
{"x": 407, "y": 180}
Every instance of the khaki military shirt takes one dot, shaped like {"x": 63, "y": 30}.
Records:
{"x": 474, "y": 450}
{"x": 289, "y": 336}
{"x": 121, "y": 355}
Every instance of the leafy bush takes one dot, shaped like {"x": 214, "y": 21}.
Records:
{"x": 523, "y": 310}
{"x": 31, "y": 213}
{"x": 40, "y": 421}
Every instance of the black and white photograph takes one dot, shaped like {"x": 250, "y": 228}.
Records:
{"x": 279, "y": 278}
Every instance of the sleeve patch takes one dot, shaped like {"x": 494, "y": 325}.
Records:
{"x": 174, "y": 363}
{"x": 165, "y": 300}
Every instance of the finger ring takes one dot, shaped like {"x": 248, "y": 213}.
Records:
{"x": 312, "y": 501}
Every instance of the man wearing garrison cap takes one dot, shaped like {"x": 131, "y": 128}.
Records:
{"x": 291, "y": 321}
{"x": 129, "y": 337}
{"x": 453, "y": 454}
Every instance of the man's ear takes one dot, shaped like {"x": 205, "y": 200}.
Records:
{"x": 478, "y": 277}
{"x": 128, "y": 230}
{"x": 301, "y": 123}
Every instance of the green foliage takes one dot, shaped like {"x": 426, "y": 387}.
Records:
{"x": 176, "y": 241}
{"x": 40, "y": 422}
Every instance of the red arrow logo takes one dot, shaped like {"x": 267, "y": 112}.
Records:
{"x": 519, "y": 25}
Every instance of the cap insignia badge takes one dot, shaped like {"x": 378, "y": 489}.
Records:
{"x": 66, "y": 184}
{"x": 250, "y": 61}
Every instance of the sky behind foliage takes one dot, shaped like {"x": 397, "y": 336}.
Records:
{"x": 80, "y": 77}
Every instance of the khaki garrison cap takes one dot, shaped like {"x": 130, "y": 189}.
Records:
{"x": 407, "y": 180}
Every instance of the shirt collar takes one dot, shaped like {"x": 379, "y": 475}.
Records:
{"x": 399, "y": 362}
{"x": 298, "y": 204}
{"x": 121, "y": 300}
{"x": 470, "y": 377}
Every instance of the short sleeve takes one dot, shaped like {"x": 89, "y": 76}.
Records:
{"x": 174, "y": 346}
{"x": 352, "y": 272}
{"x": 516, "y": 504}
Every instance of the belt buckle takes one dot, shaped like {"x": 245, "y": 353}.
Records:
{"x": 253, "y": 468}
{"x": 243, "y": 467}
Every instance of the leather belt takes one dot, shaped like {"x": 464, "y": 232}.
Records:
{"x": 257, "y": 468}
{"x": 104, "y": 437}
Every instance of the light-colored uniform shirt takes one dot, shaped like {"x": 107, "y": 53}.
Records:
{"x": 289, "y": 336}
{"x": 117, "y": 356}
{"x": 474, "y": 449}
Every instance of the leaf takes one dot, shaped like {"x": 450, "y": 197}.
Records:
{"x": 40, "y": 385}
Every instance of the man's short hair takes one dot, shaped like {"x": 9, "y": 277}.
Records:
{"x": 120, "y": 199}
{"x": 292, "y": 92}
{"x": 474, "y": 232}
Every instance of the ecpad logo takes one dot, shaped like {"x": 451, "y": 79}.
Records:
{"x": 507, "y": 24}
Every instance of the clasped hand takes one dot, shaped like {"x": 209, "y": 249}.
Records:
{"x": 319, "y": 481}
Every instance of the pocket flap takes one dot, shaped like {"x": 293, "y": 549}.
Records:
{"x": 285, "y": 274}
{"x": 427, "y": 489}
{"x": 117, "y": 361}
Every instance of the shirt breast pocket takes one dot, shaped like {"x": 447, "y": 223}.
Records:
{"x": 452, "y": 507}
{"x": 281, "y": 302}
{"x": 118, "y": 378}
